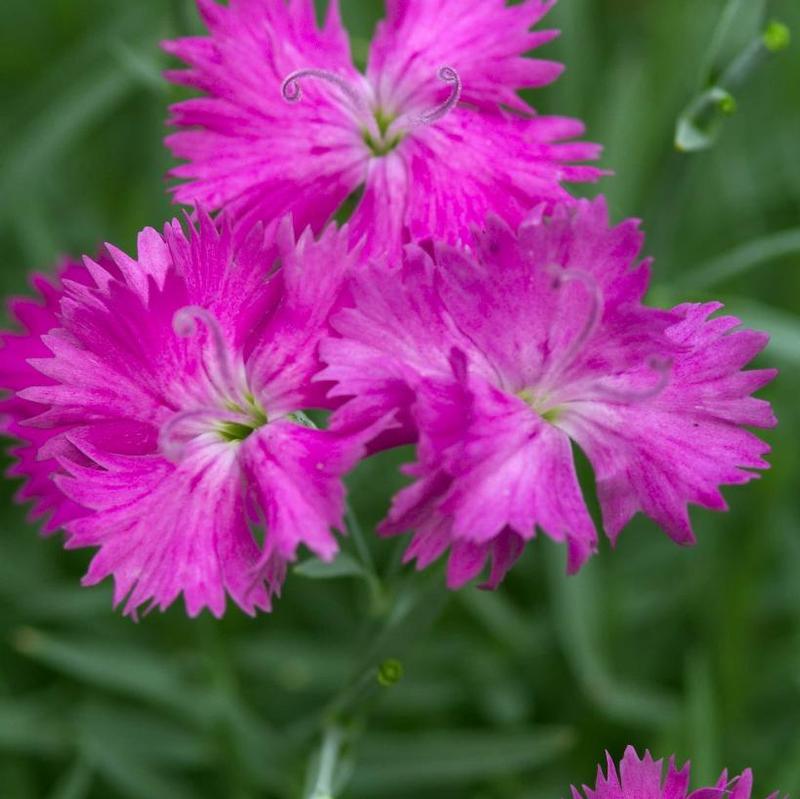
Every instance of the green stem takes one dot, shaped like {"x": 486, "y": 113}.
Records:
{"x": 329, "y": 753}
{"x": 360, "y": 541}
{"x": 396, "y": 557}
{"x": 356, "y": 694}
{"x": 378, "y": 598}
{"x": 752, "y": 57}
{"x": 699, "y": 124}
{"x": 414, "y": 609}
{"x": 225, "y": 693}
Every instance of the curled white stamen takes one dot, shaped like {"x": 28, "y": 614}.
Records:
{"x": 661, "y": 366}
{"x": 293, "y": 93}
{"x": 184, "y": 323}
{"x": 448, "y": 75}
{"x": 563, "y": 276}
{"x": 171, "y": 441}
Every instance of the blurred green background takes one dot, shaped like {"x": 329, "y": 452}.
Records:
{"x": 508, "y": 695}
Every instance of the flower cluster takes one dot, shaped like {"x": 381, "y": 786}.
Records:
{"x": 643, "y": 777}
{"x": 166, "y": 404}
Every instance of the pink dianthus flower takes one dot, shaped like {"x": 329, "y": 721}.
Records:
{"x": 643, "y": 778}
{"x": 35, "y": 317}
{"x": 503, "y": 354}
{"x": 434, "y": 132}
{"x": 164, "y": 395}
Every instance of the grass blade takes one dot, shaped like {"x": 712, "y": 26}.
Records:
{"x": 403, "y": 763}
{"x": 744, "y": 258}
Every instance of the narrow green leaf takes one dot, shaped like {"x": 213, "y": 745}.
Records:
{"x": 140, "y": 65}
{"x": 246, "y": 746}
{"x": 60, "y": 602}
{"x": 452, "y": 757}
{"x": 28, "y": 726}
{"x": 134, "y": 779}
{"x": 126, "y": 669}
{"x": 423, "y": 696}
{"x": 68, "y": 66}
{"x": 738, "y": 23}
{"x": 144, "y": 735}
{"x": 76, "y": 783}
{"x": 699, "y": 125}
{"x": 345, "y": 565}
{"x": 744, "y": 258}
{"x": 503, "y": 620}
{"x": 119, "y": 746}
{"x": 787, "y": 772}
{"x": 577, "y": 608}
{"x": 783, "y": 327}
{"x": 57, "y": 127}
{"x": 702, "y": 721}
{"x": 295, "y": 663}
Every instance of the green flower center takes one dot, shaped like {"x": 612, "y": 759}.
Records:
{"x": 540, "y": 406}
{"x": 253, "y": 417}
{"x": 384, "y": 143}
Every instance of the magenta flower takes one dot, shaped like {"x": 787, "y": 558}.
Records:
{"x": 503, "y": 354}
{"x": 435, "y": 132}
{"x": 643, "y": 779}
{"x": 166, "y": 394}
{"x": 35, "y": 318}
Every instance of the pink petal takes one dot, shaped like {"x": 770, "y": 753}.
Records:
{"x": 246, "y": 147}
{"x": 295, "y": 478}
{"x": 309, "y": 284}
{"x": 163, "y": 531}
{"x": 484, "y": 41}
{"x": 682, "y": 445}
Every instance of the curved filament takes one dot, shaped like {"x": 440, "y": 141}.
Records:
{"x": 184, "y": 323}
{"x": 171, "y": 441}
{"x": 561, "y": 278}
{"x": 293, "y": 93}
{"x": 448, "y": 75}
{"x": 661, "y": 366}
